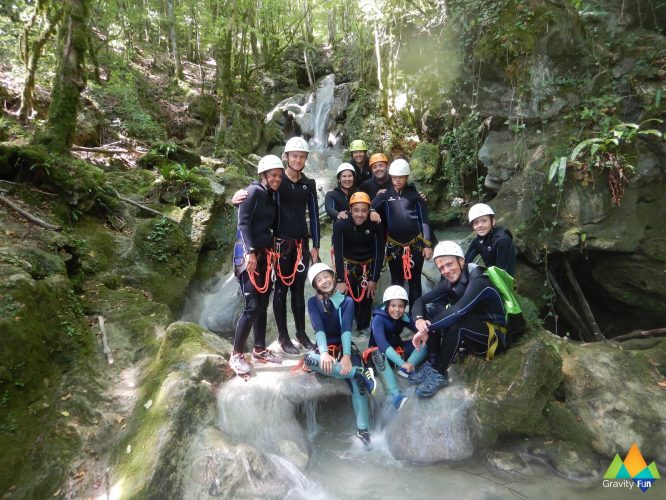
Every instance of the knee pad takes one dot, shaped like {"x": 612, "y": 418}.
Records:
{"x": 379, "y": 360}
{"x": 310, "y": 360}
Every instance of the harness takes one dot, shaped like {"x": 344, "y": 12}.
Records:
{"x": 299, "y": 267}
{"x": 271, "y": 256}
{"x": 364, "y": 278}
{"x": 494, "y": 338}
{"x": 407, "y": 261}
{"x": 368, "y": 352}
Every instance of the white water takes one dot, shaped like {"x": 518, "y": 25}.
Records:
{"x": 322, "y": 108}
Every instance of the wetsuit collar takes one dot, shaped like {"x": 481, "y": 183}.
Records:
{"x": 337, "y": 298}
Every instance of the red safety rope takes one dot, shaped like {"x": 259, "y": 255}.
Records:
{"x": 270, "y": 258}
{"x": 407, "y": 262}
{"x": 364, "y": 280}
{"x": 289, "y": 280}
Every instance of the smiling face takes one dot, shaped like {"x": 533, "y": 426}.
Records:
{"x": 273, "y": 178}
{"x": 379, "y": 170}
{"x": 396, "y": 308}
{"x": 359, "y": 213}
{"x": 324, "y": 282}
{"x": 399, "y": 181}
{"x": 482, "y": 225}
{"x": 450, "y": 267}
{"x": 359, "y": 157}
{"x": 346, "y": 179}
{"x": 296, "y": 160}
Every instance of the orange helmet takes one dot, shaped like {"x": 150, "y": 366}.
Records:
{"x": 359, "y": 197}
{"x": 378, "y": 157}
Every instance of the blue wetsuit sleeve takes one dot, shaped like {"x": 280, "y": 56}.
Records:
{"x": 422, "y": 212}
{"x": 313, "y": 212}
{"x": 394, "y": 356}
{"x": 377, "y": 252}
{"x": 338, "y": 248}
{"x": 379, "y": 333}
{"x": 473, "y": 296}
{"x": 505, "y": 255}
{"x": 245, "y": 212}
{"x": 437, "y": 293}
{"x": 472, "y": 252}
{"x": 329, "y": 205}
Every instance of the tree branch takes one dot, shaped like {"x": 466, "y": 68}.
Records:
{"x": 144, "y": 207}
{"x": 635, "y": 334}
{"x": 28, "y": 215}
{"x": 587, "y": 311}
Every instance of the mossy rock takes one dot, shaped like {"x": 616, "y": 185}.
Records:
{"x": 512, "y": 391}
{"x": 245, "y": 131}
{"x": 566, "y": 426}
{"x": 178, "y": 386}
{"x": 204, "y": 107}
{"x": 365, "y": 121}
{"x": 425, "y": 166}
{"x": 164, "y": 153}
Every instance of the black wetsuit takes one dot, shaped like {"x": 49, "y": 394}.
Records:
{"x": 254, "y": 233}
{"x": 496, "y": 248}
{"x": 337, "y": 201}
{"x": 372, "y": 187}
{"x": 354, "y": 246}
{"x": 364, "y": 173}
{"x": 405, "y": 218}
{"x": 293, "y": 198}
{"x": 472, "y": 303}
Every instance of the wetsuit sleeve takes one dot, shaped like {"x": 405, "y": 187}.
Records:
{"x": 437, "y": 293}
{"x": 394, "y": 356}
{"x": 347, "y": 317}
{"x": 338, "y": 248}
{"x": 505, "y": 255}
{"x": 472, "y": 252}
{"x": 422, "y": 212}
{"x": 377, "y": 252}
{"x": 478, "y": 291}
{"x": 317, "y": 324}
{"x": 313, "y": 212}
{"x": 245, "y": 212}
{"x": 379, "y": 204}
{"x": 329, "y": 205}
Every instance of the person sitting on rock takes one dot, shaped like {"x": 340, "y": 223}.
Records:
{"x": 337, "y": 200}
{"x": 493, "y": 243}
{"x": 386, "y": 348}
{"x": 359, "y": 152}
{"x": 464, "y": 309}
{"x": 296, "y": 195}
{"x": 380, "y": 180}
{"x": 254, "y": 241}
{"x": 331, "y": 314}
{"x": 358, "y": 247}
{"x": 409, "y": 238}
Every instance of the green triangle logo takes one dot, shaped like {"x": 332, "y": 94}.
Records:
{"x": 614, "y": 468}
{"x": 653, "y": 470}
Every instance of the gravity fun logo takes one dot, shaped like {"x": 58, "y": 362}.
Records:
{"x": 631, "y": 471}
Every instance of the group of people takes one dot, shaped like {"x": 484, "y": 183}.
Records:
{"x": 378, "y": 218}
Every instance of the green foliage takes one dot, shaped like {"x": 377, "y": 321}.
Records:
{"x": 121, "y": 101}
{"x": 365, "y": 121}
{"x": 460, "y": 146}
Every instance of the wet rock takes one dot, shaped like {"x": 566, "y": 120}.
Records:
{"x": 222, "y": 306}
{"x": 615, "y": 395}
{"x": 500, "y": 156}
{"x": 263, "y": 411}
{"x": 569, "y": 460}
{"x": 506, "y": 461}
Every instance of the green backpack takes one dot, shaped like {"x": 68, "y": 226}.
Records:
{"x": 503, "y": 282}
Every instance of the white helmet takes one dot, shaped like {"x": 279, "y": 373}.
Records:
{"x": 269, "y": 162}
{"x": 296, "y": 144}
{"x": 479, "y": 210}
{"x": 343, "y": 167}
{"x": 315, "y": 269}
{"x": 444, "y": 248}
{"x": 399, "y": 167}
{"x": 395, "y": 292}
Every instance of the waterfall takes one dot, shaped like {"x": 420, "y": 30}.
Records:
{"x": 323, "y": 102}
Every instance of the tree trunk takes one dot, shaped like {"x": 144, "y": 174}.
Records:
{"x": 383, "y": 98}
{"x": 58, "y": 133}
{"x": 173, "y": 37}
{"x": 32, "y": 60}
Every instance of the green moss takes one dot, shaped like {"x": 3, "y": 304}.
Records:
{"x": 204, "y": 107}
{"x": 565, "y": 426}
{"x": 365, "y": 121}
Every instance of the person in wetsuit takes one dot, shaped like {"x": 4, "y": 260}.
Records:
{"x": 359, "y": 257}
{"x": 254, "y": 239}
{"x": 386, "y": 347}
{"x": 464, "y": 309}
{"x": 296, "y": 195}
{"x": 359, "y": 152}
{"x": 493, "y": 243}
{"x": 336, "y": 201}
{"x": 380, "y": 179}
{"x": 409, "y": 238}
{"x": 331, "y": 314}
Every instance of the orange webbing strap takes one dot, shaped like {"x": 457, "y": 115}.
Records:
{"x": 400, "y": 351}
{"x": 335, "y": 350}
{"x": 364, "y": 281}
{"x": 270, "y": 256}
{"x": 289, "y": 280}
{"x": 407, "y": 262}
{"x": 367, "y": 353}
